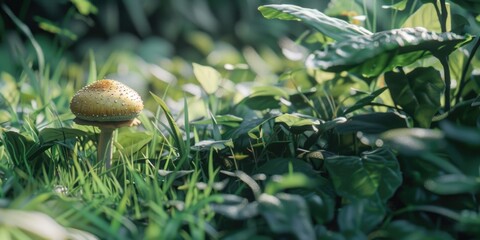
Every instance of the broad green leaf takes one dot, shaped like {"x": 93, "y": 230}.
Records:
{"x": 413, "y": 141}
{"x": 287, "y": 213}
{"x": 469, "y": 5}
{"x": 281, "y": 166}
{"x": 266, "y": 97}
{"x": 293, "y": 120}
{"x": 295, "y": 180}
{"x": 469, "y": 221}
{"x": 372, "y": 55}
{"x": 465, "y": 135}
{"x": 341, "y": 87}
{"x": 131, "y": 142}
{"x": 375, "y": 175}
{"x": 205, "y": 145}
{"x": 453, "y": 184}
{"x": 418, "y": 93}
{"x": 363, "y": 215}
{"x": 19, "y": 146}
{"x": 420, "y": 142}
{"x": 208, "y": 77}
{"x": 235, "y": 207}
{"x": 401, "y": 229}
{"x": 328, "y": 125}
{"x": 227, "y": 120}
{"x": 365, "y": 101}
{"x": 426, "y": 16}
{"x": 321, "y": 205}
{"x": 334, "y": 28}
{"x": 302, "y": 99}
{"x": 372, "y": 123}
{"x": 51, "y": 135}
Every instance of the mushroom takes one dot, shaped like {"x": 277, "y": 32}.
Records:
{"x": 108, "y": 105}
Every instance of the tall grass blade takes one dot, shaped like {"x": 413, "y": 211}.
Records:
{"x": 24, "y": 28}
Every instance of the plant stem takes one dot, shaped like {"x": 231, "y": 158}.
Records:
{"x": 446, "y": 71}
{"x": 465, "y": 69}
{"x": 105, "y": 143}
{"x": 443, "y": 16}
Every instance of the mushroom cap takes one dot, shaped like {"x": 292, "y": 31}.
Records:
{"x": 106, "y": 101}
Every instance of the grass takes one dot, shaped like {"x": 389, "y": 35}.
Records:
{"x": 48, "y": 165}
{"x": 258, "y": 154}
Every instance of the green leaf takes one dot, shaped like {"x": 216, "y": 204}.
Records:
{"x": 400, "y": 6}
{"x": 208, "y": 77}
{"x": 235, "y": 207}
{"x": 469, "y": 222}
{"x": 465, "y": 135}
{"x": 85, "y": 7}
{"x": 174, "y": 129}
{"x": 453, "y": 184}
{"x": 402, "y": 229}
{"x": 92, "y": 73}
{"x": 51, "y": 135}
{"x": 332, "y": 27}
{"x": 266, "y": 97}
{"x": 280, "y": 166}
{"x": 131, "y": 142}
{"x": 287, "y": 213}
{"x": 374, "y": 175}
{"x": 293, "y": 120}
{"x": 363, "y": 215}
{"x": 414, "y": 141}
{"x": 321, "y": 205}
{"x": 418, "y": 93}
{"x": 365, "y": 100}
{"x": 19, "y": 146}
{"x": 375, "y": 54}
{"x": 24, "y": 28}
{"x": 227, "y": 120}
{"x": 294, "y": 180}
{"x": 51, "y": 27}
{"x": 420, "y": 142}
{"x": 426, "y": 16}
{"x": 205, "y": 145}
{"x": 372, "y": 123}
{"x": 469, "y": 5}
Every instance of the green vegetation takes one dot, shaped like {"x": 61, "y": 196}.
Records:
{"x": 365, "y": 126}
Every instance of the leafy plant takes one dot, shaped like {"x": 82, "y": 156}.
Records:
{"x": 358, "y": 134}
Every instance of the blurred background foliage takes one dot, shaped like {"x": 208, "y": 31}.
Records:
{"x": 148, "y": 44}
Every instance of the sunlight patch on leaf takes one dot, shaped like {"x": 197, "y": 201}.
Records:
{"x": 85, "y": 7}
{"x": 426, "y": 16}
{"x": 208, "y": 77}
{"x": 372, "y": 55}
{"x": 334, "y": 28}
{"x": 205, "y": 145}
{"x": 293, "y": 120}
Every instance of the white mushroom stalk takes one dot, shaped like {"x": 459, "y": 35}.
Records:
{"x": 108, "y": 105}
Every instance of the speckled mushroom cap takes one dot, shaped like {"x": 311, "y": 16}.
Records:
{"x": 106, "y": 101}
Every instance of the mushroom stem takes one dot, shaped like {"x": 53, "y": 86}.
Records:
{"x": 105, "y": 144}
